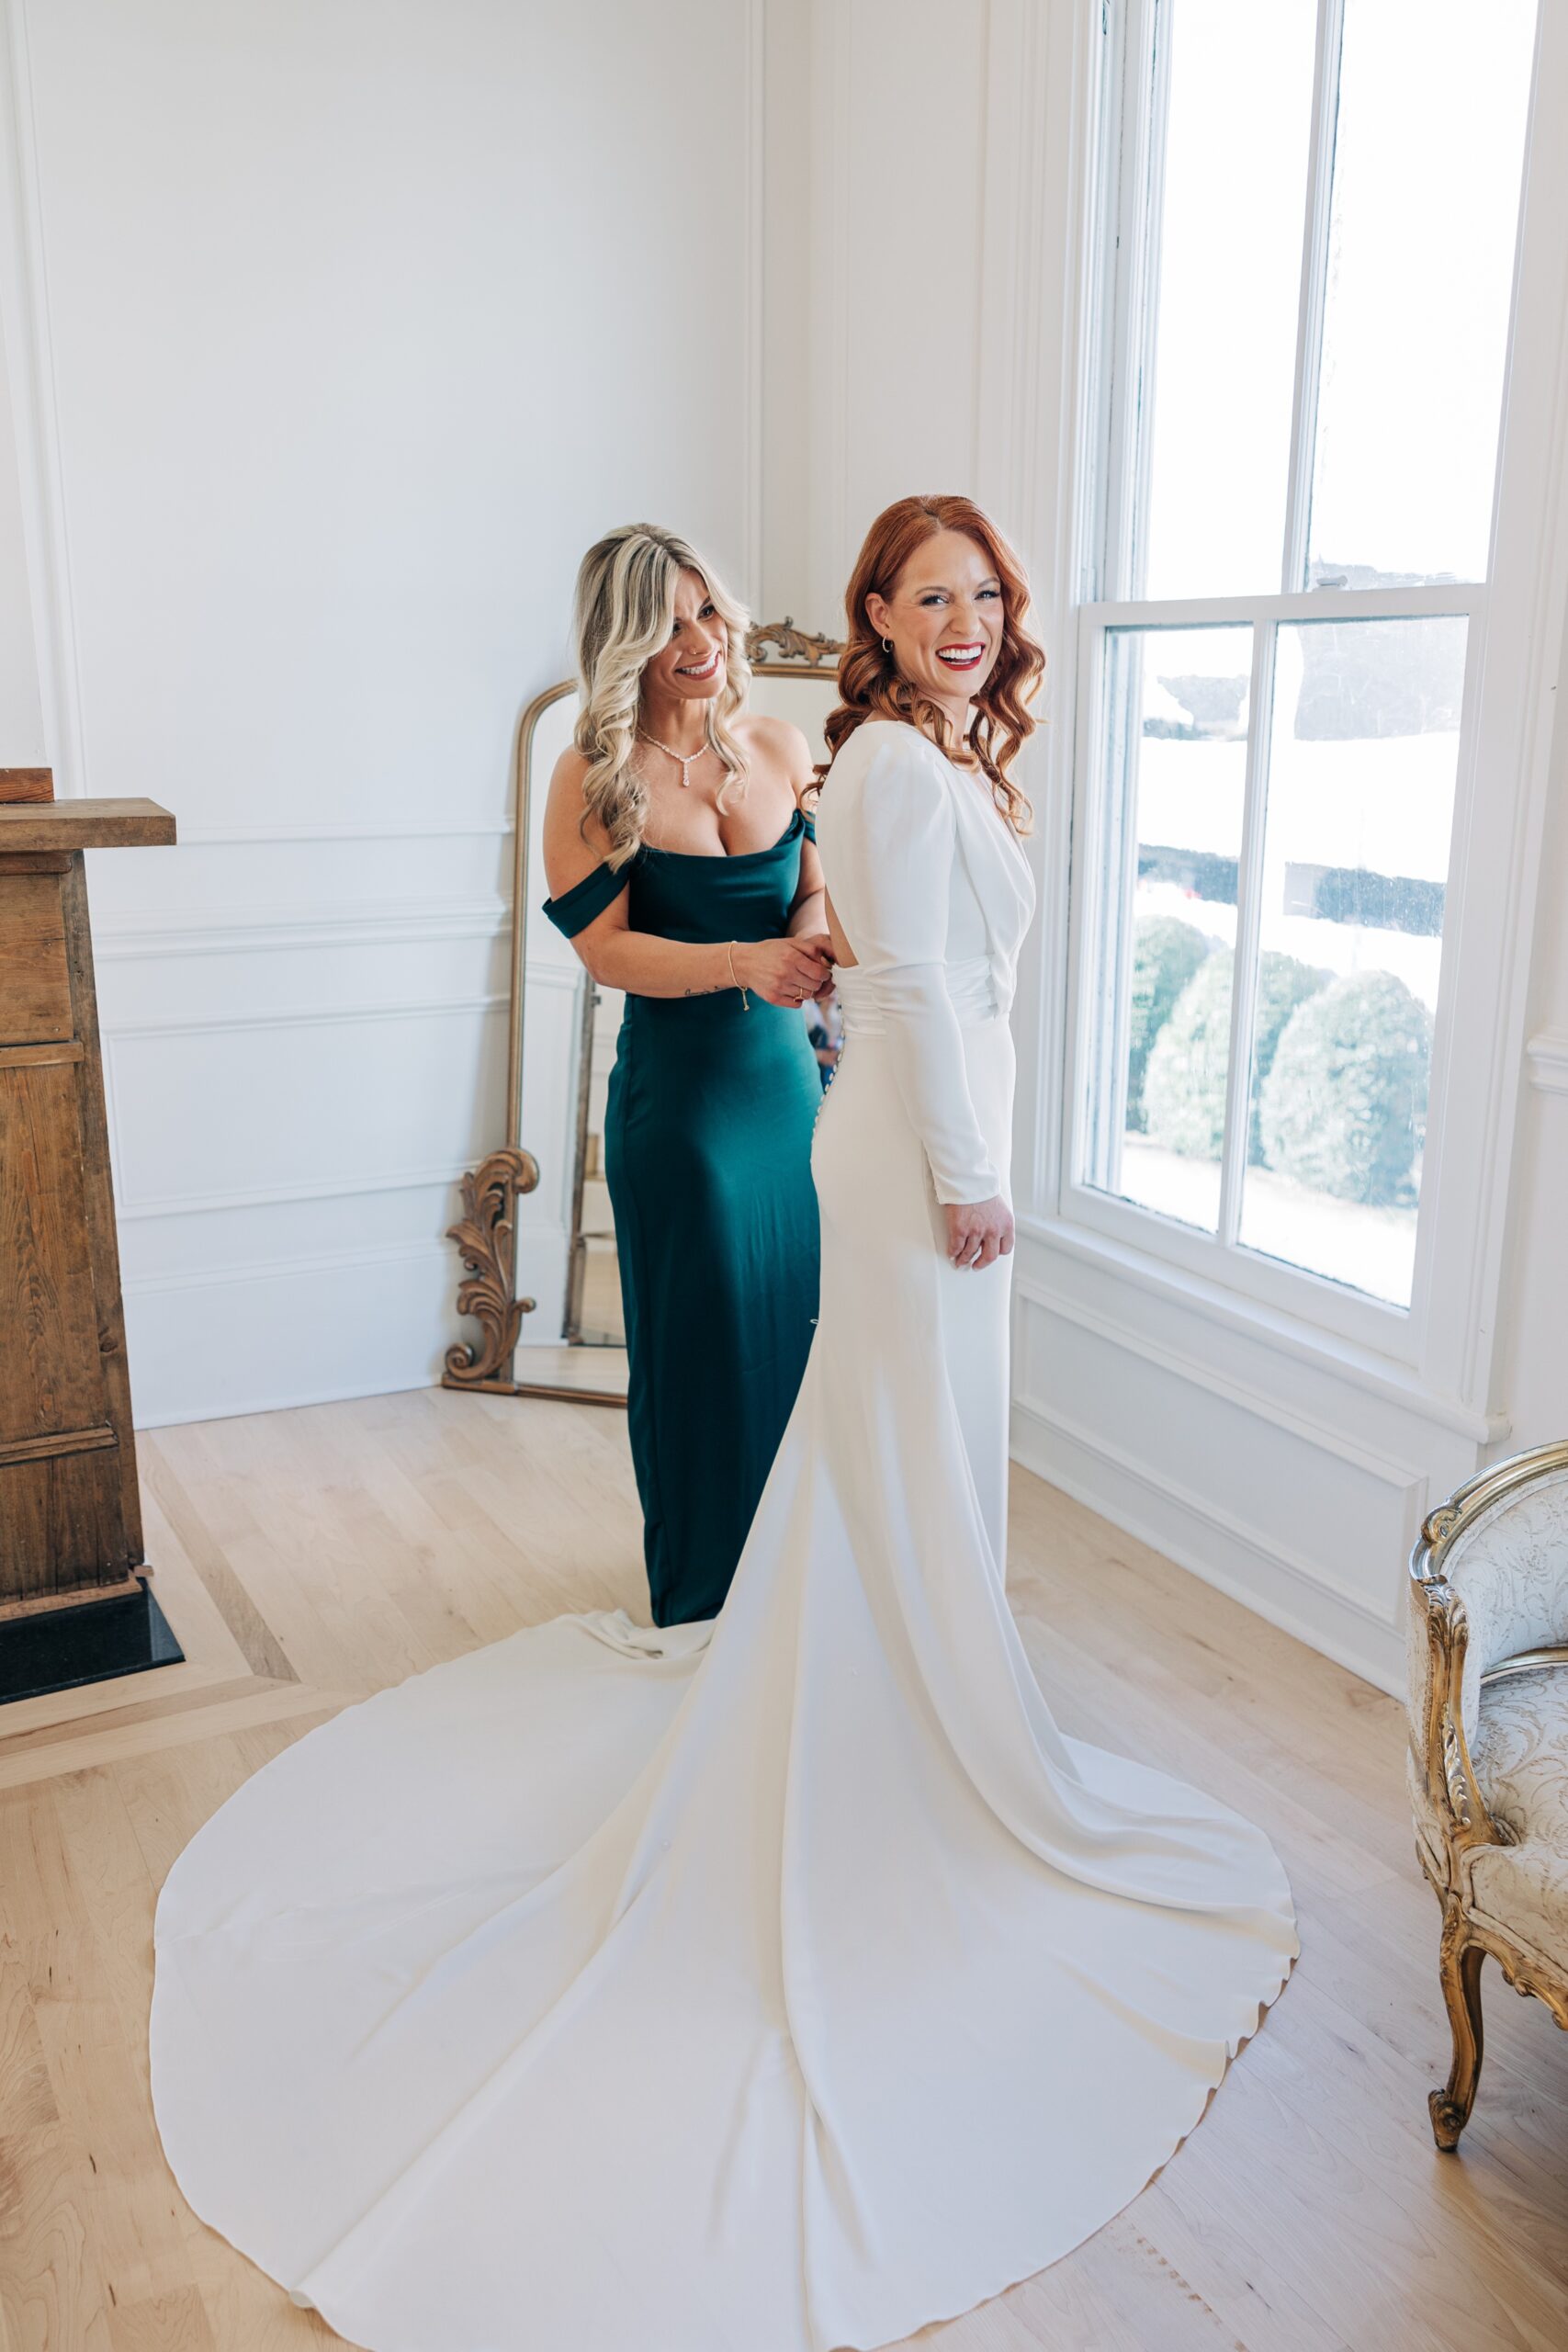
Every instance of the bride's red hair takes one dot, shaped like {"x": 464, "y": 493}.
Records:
{"x": 870, "y": 686}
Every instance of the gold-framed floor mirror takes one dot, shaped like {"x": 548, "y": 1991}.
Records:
{"x": 537, "y": 1236}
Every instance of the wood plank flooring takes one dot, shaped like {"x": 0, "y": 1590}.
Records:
{"x": 308, "y": 1558}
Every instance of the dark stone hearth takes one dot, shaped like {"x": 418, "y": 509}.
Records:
{"x": 92, "y": 1642}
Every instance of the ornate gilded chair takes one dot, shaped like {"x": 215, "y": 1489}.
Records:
{"x": 1488, "y": 1759}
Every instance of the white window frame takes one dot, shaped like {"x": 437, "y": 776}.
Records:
{"x": 1444, "y": 1339}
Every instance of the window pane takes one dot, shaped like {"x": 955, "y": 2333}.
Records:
{"x": 1428, "y": 147}
{"x": 1364, "y": 749}
{"x": 1225, "y": 275}
{"x": 1177, "y": 710}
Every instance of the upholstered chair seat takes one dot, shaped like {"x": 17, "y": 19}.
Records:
{"x": 1520, "y": 1754}
{"x": 1488, "y": 1759}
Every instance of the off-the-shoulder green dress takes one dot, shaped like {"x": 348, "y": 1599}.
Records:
{"x": 707, "y": 1150}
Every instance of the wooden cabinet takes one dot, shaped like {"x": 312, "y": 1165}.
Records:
{"x": 70, "y": 1517}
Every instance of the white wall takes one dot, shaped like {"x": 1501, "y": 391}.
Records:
{"x": 345, "y": 326}
{"x": 897, "y": 122}
{"x": 22, "y": 739}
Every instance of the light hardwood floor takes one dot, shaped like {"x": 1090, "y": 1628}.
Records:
{"x": 307, "y": 1558}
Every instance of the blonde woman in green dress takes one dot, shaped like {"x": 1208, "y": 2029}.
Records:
{"x": 684, "y": 869}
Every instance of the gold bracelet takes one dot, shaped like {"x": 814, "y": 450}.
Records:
{"x": 745, "y": 999}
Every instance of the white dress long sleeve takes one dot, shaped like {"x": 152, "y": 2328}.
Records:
{"x": 773, "y": 1993}
{"x": 904, "y": 901}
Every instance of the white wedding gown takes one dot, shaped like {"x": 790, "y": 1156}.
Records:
{"x": 617, "y": 1991}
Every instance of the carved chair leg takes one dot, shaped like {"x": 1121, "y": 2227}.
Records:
{"x": 1459, "y": 1965}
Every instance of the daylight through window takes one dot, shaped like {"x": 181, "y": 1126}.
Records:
{"x": 1309, "y": 269}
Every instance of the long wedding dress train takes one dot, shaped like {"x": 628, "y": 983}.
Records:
{"x": 773, "y": 1986}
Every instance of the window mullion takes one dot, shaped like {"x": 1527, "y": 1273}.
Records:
{"x": 1087, "y": 914}
{"x": 1151, "y": 208}
{"x": 1112, "y": 830}
{"x": 1105, "y": 302}
{"x": 1132, "y": 328}
{"x": 1315, "y": 280}
{"x": 1118, "y": 853}
{"x": 1249, "y": 924}
{"x": 1433, "y": 600}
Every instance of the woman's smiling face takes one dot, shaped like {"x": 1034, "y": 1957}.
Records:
{"x": 944, "y": 617}
{"x": 691, "y": 665}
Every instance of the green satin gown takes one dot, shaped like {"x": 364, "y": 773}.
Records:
{"x": 707, "y": 1152}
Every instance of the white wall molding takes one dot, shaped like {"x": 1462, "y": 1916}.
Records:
{"x": 1282, "y": 1584}
{"x": 362, "y": 1184}
{"x": 241, "y": 930}
{"x": 261, "y": 1269}
{"x": 1293, "y": 1345}
{"x": 264, "y": 1270}
{"x": 398, "y": 1300}
{"x": 223, "y": 1345}
{"x": 1308, "y": 1573}
{"x": 1275, "y": 1411}
{"x": 247, "y": 836}
{"x": 195, "y": 1404}
{"x": 315, "y": 1016}
{"x": 1546, "y": 1056}
{"x": 134, "y": 1206}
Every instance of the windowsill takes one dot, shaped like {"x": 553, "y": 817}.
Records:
{"x": 1288, "y": 1335}
{"x": 1371, "y": 1250}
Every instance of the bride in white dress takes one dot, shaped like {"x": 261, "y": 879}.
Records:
{"x": 617, "y": 1991}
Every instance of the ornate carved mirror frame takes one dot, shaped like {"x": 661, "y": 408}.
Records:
{"x": 486, "y": 1234}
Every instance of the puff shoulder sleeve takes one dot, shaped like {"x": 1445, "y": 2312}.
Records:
{"x": 887, "y": 829}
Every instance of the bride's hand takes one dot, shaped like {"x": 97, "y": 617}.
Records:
{"x": 784, "y": 971}
{"x": 821, "y": 942}
{"x": 979, "y": 1232}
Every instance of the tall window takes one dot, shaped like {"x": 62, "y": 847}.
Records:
{"x": 1309, "y": 255}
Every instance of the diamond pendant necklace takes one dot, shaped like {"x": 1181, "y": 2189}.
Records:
{"x": 682, "y": 759}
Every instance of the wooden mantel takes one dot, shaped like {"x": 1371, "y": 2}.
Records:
{"x": 42, "y": 825}
{"x": 70, "y": 1514}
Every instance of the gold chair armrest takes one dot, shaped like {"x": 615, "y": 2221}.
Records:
{"x": 1444, "y": 1754}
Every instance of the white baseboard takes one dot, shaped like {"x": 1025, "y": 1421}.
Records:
{"x": 313, "y": 1332}
{"x": 1211, "y": 1544}
{"x": 235, "y": 1408}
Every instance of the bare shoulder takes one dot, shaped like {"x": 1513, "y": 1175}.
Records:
{"x": 762, "y": 729}
{"x": 774, "y": 744}
{"x": 574, "y": 842}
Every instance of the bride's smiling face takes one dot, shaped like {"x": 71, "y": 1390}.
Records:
{"x": 690, "y": 666}
{"x": 944, "y": 617}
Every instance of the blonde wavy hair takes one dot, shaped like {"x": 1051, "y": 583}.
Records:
{"x": 624, "y": 613}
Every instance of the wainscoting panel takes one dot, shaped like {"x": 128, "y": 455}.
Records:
{"x": 304, "y": 1052}
{"x": 391, "y": 1092}
{"x": 281, "y": 1331}
{"x": 1265, "y": 1474}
